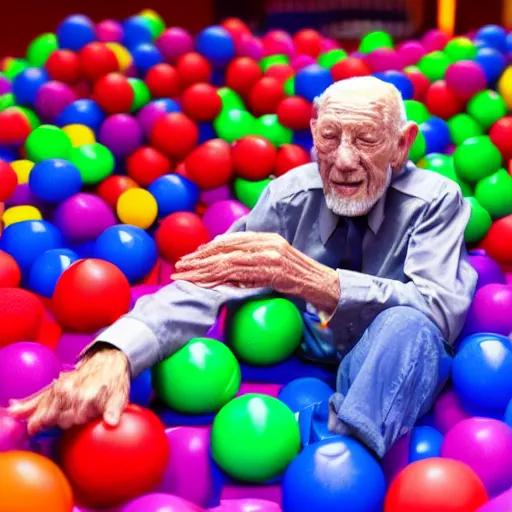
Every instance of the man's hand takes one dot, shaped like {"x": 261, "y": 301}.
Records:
{"x": 260, "y": 260}
{"x": 97, "y": 387}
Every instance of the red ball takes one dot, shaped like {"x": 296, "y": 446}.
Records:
{"x": 308, "y": 42}
{"x": 420, "y": 83}
{"x": 82, "y": 89}
{"x": 49, "y": 333}
{"x": 235, "y": 27}
{"x": 10, "y": 273}
{"x": 21, "y": 315}
{"x": 280, "y": 72}
{"x": 63, "y": 66}
{"x": 8, "y": 181}
{"x": 114, "y": 93}
{"x": 210, "y": 165}
{"x": 294, "y": 112}
{"x": 14, "y": 127}
{"x": 97, "y": 60}
{"x": 201, "y": 102}
{"x": 501, "y": 136}
{"x": 111, "y": 188}
{"x": 290, "y": 156}
{"x": 498, "y": 241}
{"x": 163, "y": 81}
{"x": 179, "y": 234}
{"x": 349, "y": 67}
{"x": 89, "y": 295}
{"x": 254, "y": 157}
{"x": 265, "y": 95}
{"x": 435, "y": 484}
{"x": 111, "y": 465}
{"x": 175, "y": 134}
{"x": 193, "y": 68}
{"x": 242, "y": 73}
{"x": 147, "y": 164}
{"x": 441, "y": 101}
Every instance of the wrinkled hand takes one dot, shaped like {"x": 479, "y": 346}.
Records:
{"x": 97, "y": 387}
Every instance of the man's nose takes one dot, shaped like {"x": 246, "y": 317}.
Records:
{"x": 347, "y": 157}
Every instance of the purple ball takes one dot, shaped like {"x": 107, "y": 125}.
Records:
{"x": 121, "y": 133}
{"x": 52, "y": 98}
{"x": 465, "y": 78}
{"x": 247, "y": 505}
{"x": 450, "y": 149}
{"x": 302, "y": 61}
{"x": 24, "y": 196}
{"x": 213, "y": 195}
{"x": 485, "y": 445}
{"x": 5, "y": 85}
{"x": 158, "y": 502}
{"x": 83, "y": 217}
{"x": 498, "y": 504}
{"x": 220, "y": 216}
{"x": 148, "y": 115}
{"x": 396, "y": 458}
{"x": 25, "y": 368}
{"x": 70, "y": 345}
{"x": 384, "y": 59}
{"x": 174, "y": 42}
{"x": 13, "y": 433}
{"x": 448, "y": 411}
{"x": 411, "y": 52}
{"x": 249, "y": 46}
{"x": 488, "y": 270}
{"x": 109, "y": 31}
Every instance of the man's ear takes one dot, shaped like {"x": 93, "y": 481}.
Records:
{"x": 408, "y": 134}
{"x": 312, "y": 125}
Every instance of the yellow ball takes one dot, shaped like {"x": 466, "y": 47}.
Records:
{"x": 22, "y": 169}
{"x": 136, "y": 206}
{"x": 124, "y": 57}
{"x": 79, "y": 134}
{"x": 505, "y": 87}
{"x": 21, "y": 213}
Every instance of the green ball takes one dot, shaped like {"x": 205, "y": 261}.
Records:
{"x": 463, "y": 127}
{"x": 46, "y": 142}
{"x": 254, "y": 438}
{"x": 200, "y": 378}
{"x": 230, "y": 99}
{"x": 460, "y": 48}
{"x": 416, "y": 111}
{"x": 476, "y": 159}
{"x": 418, "y": 148}
{"x": 94, "y": 161}
{"x": 268, "y": 126}
{"x": 487, "y": 107}
{"x": 494, "y": 193}
{"x": 15, "y": 67}
{"x": 272, "y": 60}
{"x": 155, "y": 22}
{"x": 41, "y": 48}
{"x": 266, "y": 331}
{"x": 7, "y": 100}
{"x": 328, "y": 59}
{"x": 234, "y": 124}
{"x": 479, "y": 222}
{"x": 289, "y": 86}
{"x": 248, "y": 192}
{"x": 434, "y": 65}
{"x": 141, "y": 94}
{"x": 375, "y": 40}
{"x": 31, "y": 116}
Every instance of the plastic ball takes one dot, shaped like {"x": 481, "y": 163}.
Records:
{"x": 411, "y": 52}
{"x": 436, "y": 133}
{"x": 488, "y": 270}
{"x": 16, "y": 214}
{"x": 375, "y": 40}
{"x": 46, "y": 142}
{"x": 141, "y": 389}
{"x": 109, "y": 31}
{"x": 400, "y": 81}
{"x": 51, "y": 98}
{"x": 479, "y": 222}
{"x": 476, "y": 158}
{"x": 8, "y": 181}
{"x": 327, "y": 59}
{"x": 460, "y": 48}
{"x": 441, "y": 101}
{"x": 79, "y": 134}
{"x": 174, "y": 42}
{"x": 40, "y": 48}
{"x": 111, "y": 188}
{"x": 13, "y": 433}
{"x": 463, "y": 127}
{"x": 492, "y": 62}
{"x": 268, "y": 126}
{"x": 14, "y": 127}
{"x": 94, "y": 161}
{"x": 136, "y": 30}
{"x": 294, "y": 113}
{"x": 145, "y": 56}
{"x": 265, "y": 95}
{"x": 487, "y": 107}
{"x": 163, "y": 81}
{"x": 434, "y": 65}
{"x": 290, "y": 156}
{"x": 505, "y": 87}
{"x": 311, "y": 81}
{"x": 254, "y": 158}
{"x": 113, "y": 93}
{"x": 416, "y": 111}
{"x": 465, "y": 78}
{"x": 55, "y": 180}
{"x": 137, "y": 207}
{"x": 210, "y": 164}
{"x": 497, "y": 242}
{"x": 350, "y": 67}
{"x": 64, "y": 66}
{"x": 494, "y": 193}
{"x": 175, "y": 134}
{"x": 75, "y": 32}
{"x": 303, "y": 392}
{"x": 216, "y": 44}
{"x": 97, "y": 60}
{"x": 85, "y": 112}
{"x": 10, "y": 274}
{"x": 193, "y": 68}
{"x": 334, "y": 471}
{"x": 384, "y": 59}
{"x": 174, "y": 193}
{"x": 201, "y": 102}
{"x": 493, "y": 36}
{"x": 242, "y": 73}
{"x": 146, "y": 165}
{"x": 278, "y": 42}
{"x": 148, "y": 114}
{"x": 220, "y": 216}
{"x": 121, "y": 134}
{"x": 123, "y": 56}
{"x": 234, "y": 124}
{"x": 419, "y": 82}
{"x": 230, "y": 99}
{"x": 157, "y": 502}
{"x": 27, "y": 83}
{"x": 98, "y": 459}
{"x": 500, "y": 135}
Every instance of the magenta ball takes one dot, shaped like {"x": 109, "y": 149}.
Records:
{"x": 327, "y": 44}
{"x": 165, "y": 272}
{"x": 191, "y": 473}
{"x": 141, "y": 290}
{"x": 249, "y": 46}
{"x": 411, "y": 52}
{"x": 174, "y": 42}
{"x": 122, "y": 134}
{"x": 278, "y": 42}
{"x": 485, "y": 445}
{"x": 498, "y": 504}
{"x": 159, "y": 502}
{"x": 396, "y": 458}
{"x": 465, "y": 78}
{"x": 448, "y": 411}
{"x": 384, "y": 59}
{"x": 13, "y": 433}
{"x": 220, "y": 216}
{"x": 83, "y": 217}
{"x": 434, "y": 40}
{"x": 52, "y": 98}
{"x": 488, "y": 270}
{"x": 70, "y": 346}
{"x": 148, "y": 114}
{"x": 212, "y": 195}
{"x": 508, "y": 278}
{"x": 109, "y": 31}
{"x": 5, "y": 85}
{"x": 23, "y": 196}
{"x": 25, "y": 368}
{"x": 302, "y": 61}
{"x": 247, "y": 505}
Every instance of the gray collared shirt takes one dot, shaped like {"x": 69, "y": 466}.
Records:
{"x": 413, "y": 255}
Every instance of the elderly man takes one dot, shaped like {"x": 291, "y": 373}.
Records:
{"x": 369, "y": 242}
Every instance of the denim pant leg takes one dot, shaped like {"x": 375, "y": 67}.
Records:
{"x": 390, "y": 378}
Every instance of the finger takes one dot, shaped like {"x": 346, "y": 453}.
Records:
{"x": 114, "y": 407}
{"x": 22, "y": 409}
{"x": 46, "y": 415}
{"x": 224, "y": 244}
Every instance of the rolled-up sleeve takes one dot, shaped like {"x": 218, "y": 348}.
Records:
{"x": 441, "y": 280}
{"x": 161, "y": 323}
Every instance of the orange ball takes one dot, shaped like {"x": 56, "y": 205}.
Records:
{"x": 30, "y": 482}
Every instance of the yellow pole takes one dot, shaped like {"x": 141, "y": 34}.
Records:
{"x": 446, "y": 10}
{"x": 506, "y": 14}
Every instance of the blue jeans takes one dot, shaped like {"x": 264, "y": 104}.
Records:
{"x": 385, "y": 383}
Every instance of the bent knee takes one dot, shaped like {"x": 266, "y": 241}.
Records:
{"x": 406, "y": 317}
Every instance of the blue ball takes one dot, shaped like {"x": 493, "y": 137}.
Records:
{"x": 54, "y": 180}
{"x": 141, "y": 389}
{"x": 334, "y": 475}
{"x": 75, "y": 32}
{"x": 492, "y": 62}
{"x": 26, "y": 84}
{"x": 84, "y": 249}
{"x": 25, "y": 241}
{"x": 7, "y": 155}
{"x": 47, "y": 269}
{"x": 83, "y": 111}
{"x": 509, "y": 42}
{"x": 303, "y": 392}
{"x": 482, "y": 371}
{"x": 206, "y": 132}
{"x": 216, "y": 44}
{"x": 400, "y": 81}
{"x": 436, "y": 133}
{"x": 218, "y": 78}
{"x": 494, "y": 36}
{"x": 303, "y": 138}
{"x": 130, "y": 248}
{"x": 145, "y": 56}
{"x": 508, "y": 414}
{"x": 166, "y": 105}
{"x": 174, "y": 193}
{"x": 311, "y": 81}
{"x": 425, "y": 443}
{"x": 136, "y": 30}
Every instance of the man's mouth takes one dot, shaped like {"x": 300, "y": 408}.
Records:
{"x": 347, "y": 188}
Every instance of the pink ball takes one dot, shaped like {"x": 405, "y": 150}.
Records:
{"x": 396, "y": 458}
{"x": 278, "y": 42}
{"x": 411, "y": 52}
{"x": 174, "y": 42}
{"x": 159, "y": 502}
{"x": 384, "y": 59}
{"x": 122, "y": 134}
{"x": 328, "y": 44}
{"x": 448, "y": 411}
{"x": 508, "y": 278}
{"x": 465, "y": 78}
{"x": 70, "y": 346}
{"x": 450, "y": 149}
{"x": 220, "y": 216}
{"x": 498, "y": 504}
{"x": 434, "y": 40}
{"x": 53, "y": 97}
{"x": 301, "y": 61}
{"x": 109, "y": 31}
{"x": 83, "y": 217}
{"x": 249, "y": 46}
{"x": 13, "y": 433}
{"x": 212, "y": 195}
{"x": 247, "y": 505}
{"x": 485, "y": 445}
{"x": 165, "y": 272}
